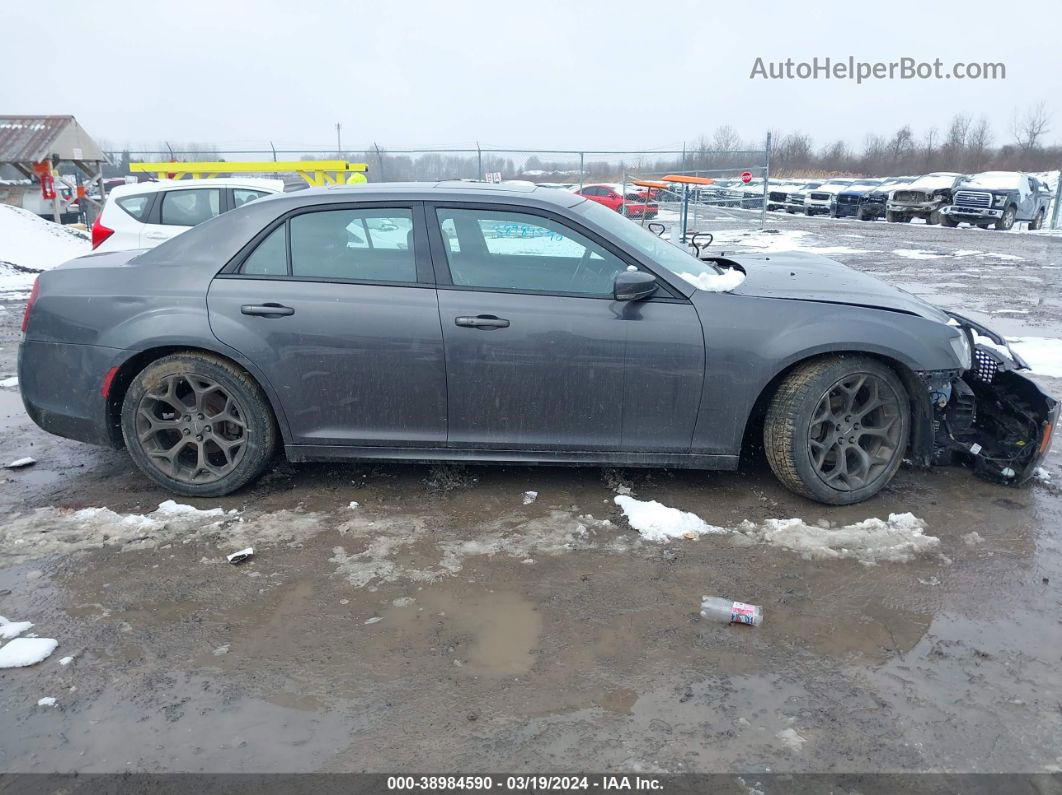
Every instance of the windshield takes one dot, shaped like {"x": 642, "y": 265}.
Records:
{"x": 644, "y": 243}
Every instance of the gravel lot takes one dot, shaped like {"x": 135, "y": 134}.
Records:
{"x": 443, "y": 625}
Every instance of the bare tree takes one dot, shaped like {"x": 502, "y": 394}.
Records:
{"x": 929, "y": 141}
{"x": 979, "y": 140}
{"x": 958, "y": 131}
{"x": 1030, "y": 126}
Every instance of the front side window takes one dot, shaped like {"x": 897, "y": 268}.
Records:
{"x": 362, "y": 245}
{"x": 517, "y": 251}
{"x": 190, "y": 207}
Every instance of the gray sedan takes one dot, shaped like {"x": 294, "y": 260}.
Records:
{"x": 476, "y": 323}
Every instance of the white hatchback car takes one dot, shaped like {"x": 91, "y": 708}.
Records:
{"x": 143, "y": 215}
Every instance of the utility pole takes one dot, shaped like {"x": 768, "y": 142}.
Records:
{"x": 339, "y": 139}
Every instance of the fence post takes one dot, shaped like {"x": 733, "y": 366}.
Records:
{"x": 766, "y": 175}
{"x": 479, "y": 162}
{"x": 1058, "y": 200}
{"x": 581, "y": 154}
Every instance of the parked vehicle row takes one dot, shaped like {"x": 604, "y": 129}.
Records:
{"x": 991, "y": 198}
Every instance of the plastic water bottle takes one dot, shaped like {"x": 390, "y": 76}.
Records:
{"x": 730, "y": 612}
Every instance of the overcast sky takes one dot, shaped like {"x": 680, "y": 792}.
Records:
{"x": 537, "y": 74}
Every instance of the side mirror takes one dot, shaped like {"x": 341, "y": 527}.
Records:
{"x": 633, "y": 286}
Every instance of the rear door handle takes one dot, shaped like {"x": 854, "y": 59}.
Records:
{"x": 481, "y": 321}
{"x": 267, "y": 310}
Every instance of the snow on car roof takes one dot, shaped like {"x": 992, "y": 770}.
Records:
{"x": 1000, "y": 180}
{"x": 941, "y": 179}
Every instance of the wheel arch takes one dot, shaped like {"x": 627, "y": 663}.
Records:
{"x": 136, "y": 361}
{"x": 921, "y": 439}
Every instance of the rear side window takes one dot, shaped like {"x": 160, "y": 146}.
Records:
{"x": 190, "y": 207}
{"x": 271, "y": 256}
{"x": 241, "y": 196}
{"x": 136, "y": 206}
{"x": 361, "y": 245}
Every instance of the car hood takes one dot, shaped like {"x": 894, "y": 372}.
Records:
{"x": 808, "y": 277}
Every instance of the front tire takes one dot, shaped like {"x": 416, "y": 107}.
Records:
{"x": 1007, "y": 221}
{"x": 948, "y": 221}
{"x": 198, "y": 425}
{"x": 837, "y": 428}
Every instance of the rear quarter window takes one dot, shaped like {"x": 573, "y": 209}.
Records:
{"x": 136, "y": 206}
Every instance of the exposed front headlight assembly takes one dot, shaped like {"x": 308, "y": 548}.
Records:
{"x": 999, "y": 199}
{"x": 960, "y": 345}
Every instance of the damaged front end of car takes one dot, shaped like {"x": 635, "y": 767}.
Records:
{"x": 990, "y": 417}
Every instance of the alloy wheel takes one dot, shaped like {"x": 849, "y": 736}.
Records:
{"x": 191, "y": 428}
{"x": 854, "y": 435}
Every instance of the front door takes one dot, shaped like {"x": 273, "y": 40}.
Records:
{"x": 538, "y": 354}
{"x": 337, "y": 307}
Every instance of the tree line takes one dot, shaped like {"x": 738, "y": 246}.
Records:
{"x": 965, "y": 145}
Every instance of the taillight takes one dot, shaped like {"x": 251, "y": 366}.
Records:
{"x": 99, "y": 233}
{"x": 29, "y": 304}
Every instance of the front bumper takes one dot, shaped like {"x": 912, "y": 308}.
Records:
{"x": 918, "y": 207}
{"x": 816, "y": 208}
{"x": 993, "y": 418}
{"x": 979, "y": 213}
{"x": 847, "y": 210}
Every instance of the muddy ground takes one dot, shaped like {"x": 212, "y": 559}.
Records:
{"x": 444, "y": 625}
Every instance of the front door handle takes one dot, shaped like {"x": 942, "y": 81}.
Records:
{"x": 482, "y": 321}
{"x": 267, "y": 310}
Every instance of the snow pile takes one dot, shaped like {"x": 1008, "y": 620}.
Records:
{"x": 1043, "y": 354}
{"x": 22, "y": 652}
{"x": 12, "y": 629}
{"x": 49, "y": 531}
{"x": 898, "y": 539}
{"x": 715, "y": 282}
{"x": 47, "y": 701}
{"x": 29, "y": 244}
{"x": 656, "y": 522}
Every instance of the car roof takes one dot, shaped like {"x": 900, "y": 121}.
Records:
{"x": 446, "y": 190}
{"x": 271, "y": 185}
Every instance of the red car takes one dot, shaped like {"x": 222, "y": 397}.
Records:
{"x": 632, "y": 205}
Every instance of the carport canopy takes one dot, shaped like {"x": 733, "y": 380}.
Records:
{"x": 29, "y": 140}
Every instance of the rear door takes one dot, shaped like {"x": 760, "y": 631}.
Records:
{"x": 336, "y": 305}
{"x": 177, "y": 209}
{"x": 538, "y": 354}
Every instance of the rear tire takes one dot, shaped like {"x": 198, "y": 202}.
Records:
{"x": 947, "y": 220}
{"x": 893, "y": 218}
{"x": 198, "y": 425}
{"x": 934, "y": 217}
{"x": 1038, "y": 221}
{"x": 837, "y": 428}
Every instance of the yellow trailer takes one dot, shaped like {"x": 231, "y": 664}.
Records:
{"x": 315, "y": 172}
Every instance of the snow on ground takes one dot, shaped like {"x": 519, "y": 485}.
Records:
{"x": 897, "y": 539}
{"x": 916, "y": 253}
{"x": 22, "y": 652}
{"x": 47, "y": 701}
{"x": 12, "y": 629}
{"x": 9, "y": 383}
{"x": 775, "y": 241}
{"x": 1044, "y": 354}
{"x": 656, "y": 522}
{"x": 29, "y": 244}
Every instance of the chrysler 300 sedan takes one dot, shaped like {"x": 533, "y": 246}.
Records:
{"x": 476, "y": 323}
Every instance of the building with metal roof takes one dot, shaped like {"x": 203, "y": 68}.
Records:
{"x": 35, "y": 146}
